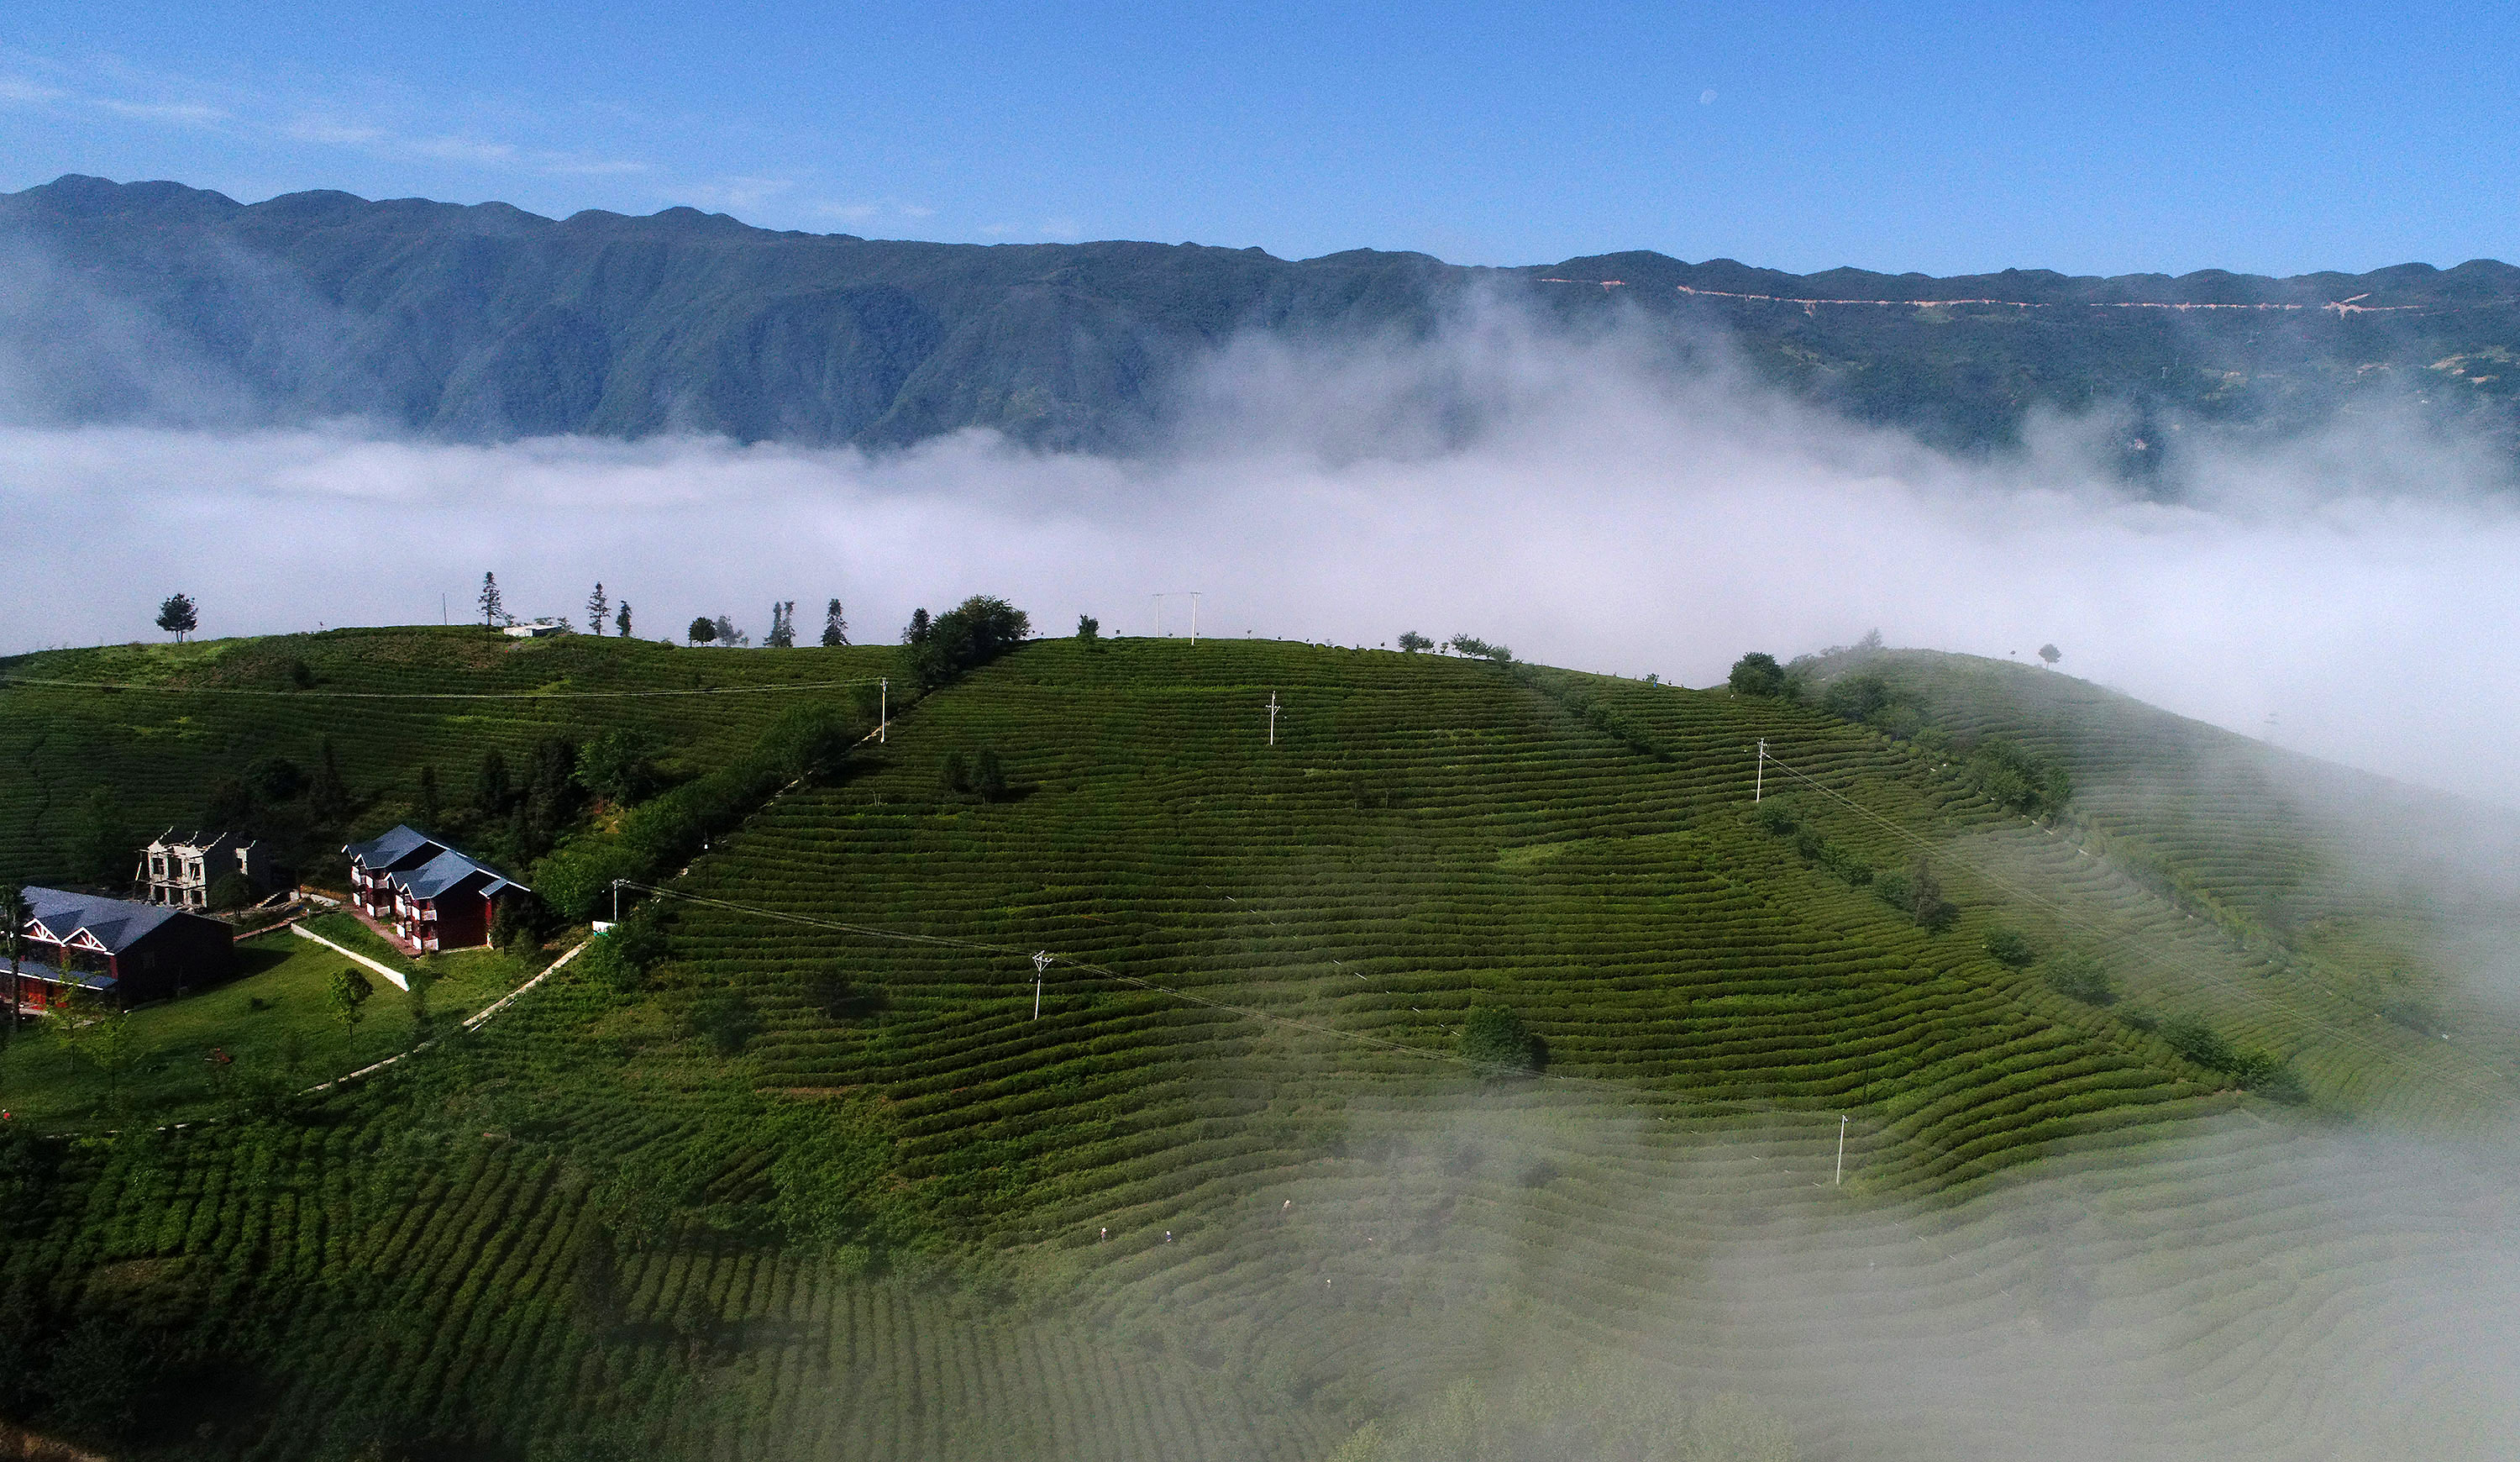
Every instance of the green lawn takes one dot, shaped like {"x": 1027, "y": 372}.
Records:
{"x": 275, "y": 1021}
{"x": 346, "y": 931}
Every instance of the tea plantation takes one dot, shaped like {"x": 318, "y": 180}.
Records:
{"x": 807, "y": 1165}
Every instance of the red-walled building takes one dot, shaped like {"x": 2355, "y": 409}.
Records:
{"x": 433, "y": 897}
{"x": 130, "y": 952}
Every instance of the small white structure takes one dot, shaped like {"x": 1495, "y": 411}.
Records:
{"x": 535, "y": 629}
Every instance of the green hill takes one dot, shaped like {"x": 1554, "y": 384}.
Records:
{"x": 163, "y": 303}
{"x": 820, "y": 1182}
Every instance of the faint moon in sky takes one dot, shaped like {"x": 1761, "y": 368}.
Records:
{"x": 1706, "y": 98}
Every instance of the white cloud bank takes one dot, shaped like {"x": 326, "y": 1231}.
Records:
{"x": 2350, "y": 596}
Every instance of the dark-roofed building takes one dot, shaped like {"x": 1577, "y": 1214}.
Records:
{"x": 131, "y": 952}
{"x": 433, "y": 897}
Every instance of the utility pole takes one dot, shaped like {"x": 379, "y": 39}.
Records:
{"x": 1759, "y": 779}
{"x": 1193, "y": 618}
{"x": 1841, "y": 1152}
{"x": 1039, "y": 967}
{"x": 883, "y": 711}
{"x": 616, "y": 901}
{"x": 1273, "y": 719}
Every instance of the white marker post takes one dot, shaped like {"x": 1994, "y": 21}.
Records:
{"x": 1039, "y": 967}
{"x": 883, "y": 711}
{"x": 1841, "y": 1152}
{"x": 1273, "y": 717}
{"x": 1759, "y": 778}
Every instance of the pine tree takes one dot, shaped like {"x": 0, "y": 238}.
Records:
{"x": 493, "y": 613}
{"x": 598, "y": 608}
{"x": 326, "y": 793}
{"x": 782, "y": 626}
{"x": 177, "y": 616}
{"x": 835, "y": 628}
{"x": 621, "y": 619}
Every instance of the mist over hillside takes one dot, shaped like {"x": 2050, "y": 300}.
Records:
{"x": 160, "y": 305}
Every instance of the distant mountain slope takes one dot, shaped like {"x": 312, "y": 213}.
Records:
{"x": 159, "y": 303}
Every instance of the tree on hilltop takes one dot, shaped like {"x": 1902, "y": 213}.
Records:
{"x": 177, "y": 615}
{"x": 835, "y": 627}
{"x": 597, "y": 608}
{"x": 2050, "y": 654}
{"x": 494, "y": 611}
{"x": 1410, "y": 641}
{"x": 1757, "y": 673}
{"x": 1089, "y": 630}
{"x": 621, "y": 619}
{"x": 782, "y": 626}
{"x": 972, "y": 633}
{"x": 703, "y": 629}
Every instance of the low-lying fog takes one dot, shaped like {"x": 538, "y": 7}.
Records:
{"x": 2346, "y": 595}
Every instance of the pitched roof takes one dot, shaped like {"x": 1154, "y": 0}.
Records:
{"x": 115, "y": 923}
{"x": 392, "y": 848}
{"x": 36, "y": 969}
{"x": 423, "y": 867}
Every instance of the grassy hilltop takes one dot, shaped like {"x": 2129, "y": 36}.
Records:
{"x": 807, "y": 1176}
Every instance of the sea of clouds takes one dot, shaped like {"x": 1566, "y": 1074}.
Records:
{"x": 2344, "y": 593}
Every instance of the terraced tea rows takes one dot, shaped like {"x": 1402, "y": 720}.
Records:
{"x": 187, "y": 715}
{"x": 1231, "y": 1194}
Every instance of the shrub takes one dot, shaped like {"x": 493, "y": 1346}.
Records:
{"x": 2199, "y": 1043}
{"x": 1858, "y": 697}
{"x": 989, "y": 776}
{"x": 2074, "y": 976}
{"x": 1089, "y": 630}
{"x": 1757, "y": 673}
{"x": 727, "y": 1022}
{"x": 2017, "y": 779}
{"x": 1917, "y": 894}
{"x": 1478, "y": 649}
{"x": 1412, "y": 642}
{"x": 1494, "y": 1039}
{"x": 2009, "y": 947}
{"x": 955, "y": 776}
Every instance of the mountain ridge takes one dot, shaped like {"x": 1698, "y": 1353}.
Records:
{"x": 484, "y": 321}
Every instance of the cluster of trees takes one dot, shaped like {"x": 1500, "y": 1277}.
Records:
{"x": 2247, "y": 1068}
{"x": 2006, "y": 773}
{"x": 936, "y": 650}
{"x": 1776, "y": 816}
{"x": 663, "y": 832}
{"x": 979, "y": 778}
{"x": 522, "y": 810}
{"x": 1916, "y": 892}
{"x": 706, "y": 630}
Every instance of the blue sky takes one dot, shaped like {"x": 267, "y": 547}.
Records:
{"x": 1938, "y": 137}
